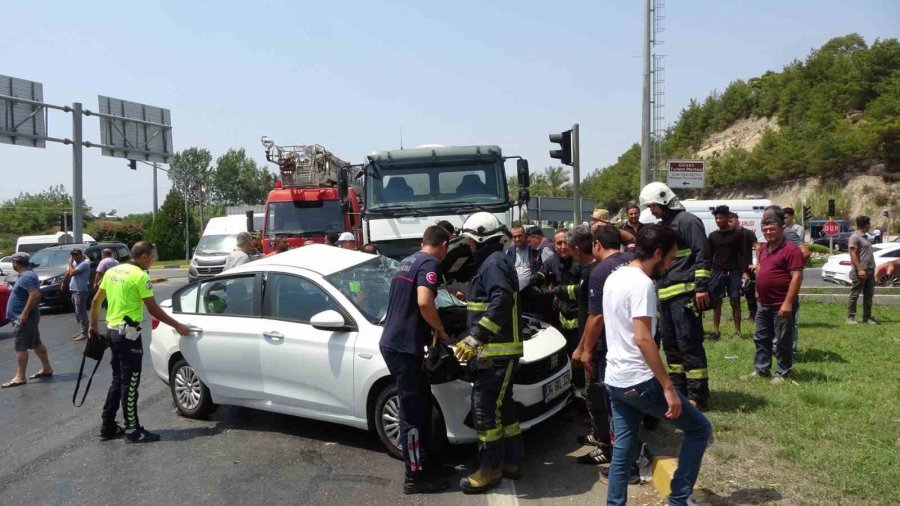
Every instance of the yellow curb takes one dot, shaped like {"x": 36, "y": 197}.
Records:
{"x": 663, "y": 469}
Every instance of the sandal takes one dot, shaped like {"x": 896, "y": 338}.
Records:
{"x": 39, "y": 375}
{"x": 13, "y": 384}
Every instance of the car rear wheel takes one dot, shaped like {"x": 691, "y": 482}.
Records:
{"x": 387, "y": 423}
{"x": 191, "y": 396}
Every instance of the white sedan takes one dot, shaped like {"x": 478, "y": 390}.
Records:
{"x": 6, "y": 266}
{"x": 298, "y": 332}
{"x": 837, "y": 268}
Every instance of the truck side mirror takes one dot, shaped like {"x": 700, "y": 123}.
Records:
{"x": 522, "y": 172}
{"x": 249, "y": 215}
{"x": 343, "y": 184}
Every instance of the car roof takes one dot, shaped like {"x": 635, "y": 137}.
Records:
{"x": 318, "y": 258}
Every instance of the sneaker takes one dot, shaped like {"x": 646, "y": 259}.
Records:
{"x": 871, "y": 322}
{"x": 588, "y": 440}
{"x": 852, "y": 321}
{"x": 424, "y": 485}
{"x": 634, "y": 477}
{"x": 690, "y": 502}
{"x": 79, "y": 337}
{"x": 141, "y": 435}
{"x": 113, "y": 431}
{"x": 778, "y": 379}
{"x": 597, "y": 456}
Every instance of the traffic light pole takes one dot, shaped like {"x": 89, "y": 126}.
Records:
{"x": 77, "y": 179}
{"x": 576, "y": 174}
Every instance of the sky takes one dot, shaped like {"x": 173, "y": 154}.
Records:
{"x": 352, "y": 75}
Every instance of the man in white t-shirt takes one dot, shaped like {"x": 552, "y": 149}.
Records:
{"x": 636, "y": 379}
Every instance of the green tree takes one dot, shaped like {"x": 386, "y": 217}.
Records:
{"x": 551, "y": 182}
{"x": 167, "y": 231}
{"x": 189, "y": 169}
{"x": 237, "y": 179}
{"x": 37, "y": 213}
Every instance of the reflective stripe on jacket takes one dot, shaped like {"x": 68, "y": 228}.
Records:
{"x": 494, "y": 315}
{"x": 690, "y": 270}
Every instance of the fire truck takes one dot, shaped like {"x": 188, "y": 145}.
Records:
{"x": 316, "y": 195}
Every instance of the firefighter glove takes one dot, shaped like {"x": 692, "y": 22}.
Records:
{"x": 467, "y": 349}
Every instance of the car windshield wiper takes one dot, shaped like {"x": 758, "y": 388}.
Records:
{"x": 398, "y": 207}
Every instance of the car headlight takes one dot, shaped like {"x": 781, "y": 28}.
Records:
{"x": 56, "y": 280}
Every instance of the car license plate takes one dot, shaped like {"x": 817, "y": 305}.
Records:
{"x": 557, "y": 387}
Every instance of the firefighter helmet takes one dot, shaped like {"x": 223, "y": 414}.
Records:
{"x": 482, "y": 226}
{"x": 660, "y": 194}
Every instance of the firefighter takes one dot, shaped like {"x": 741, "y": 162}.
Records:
{"x": 683, "y": 293}
{"x": 562, "y": 276}
{"x": 491, "y": 352}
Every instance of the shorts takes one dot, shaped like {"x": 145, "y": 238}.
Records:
{"x": 722, "y": 283}
{"x": 27, "y": 336}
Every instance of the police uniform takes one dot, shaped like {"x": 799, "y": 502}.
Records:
{"x": 126, "y": 286}
{"x": 403, "y": 341}
{"x": 494, "y": 319}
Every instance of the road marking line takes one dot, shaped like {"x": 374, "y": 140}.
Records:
{"x": 504, "y": 494}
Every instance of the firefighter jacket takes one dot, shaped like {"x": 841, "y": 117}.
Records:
{"x": 494, "y": 316}
{"x": 690, "y": 270}
{"x": 564, "y": 275}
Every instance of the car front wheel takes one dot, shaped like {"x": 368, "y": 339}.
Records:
{"x": 191, "y": 396}
{"x": 387, "y": 423}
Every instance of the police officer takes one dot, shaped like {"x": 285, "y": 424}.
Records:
{"x": 411, "y": 316}
{"x": 127, "y": 289}
{"x": 492, "y": 351}
{"x": 683, "y": 292}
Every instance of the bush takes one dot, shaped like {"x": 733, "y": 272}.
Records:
{"x": 818, "y": 248}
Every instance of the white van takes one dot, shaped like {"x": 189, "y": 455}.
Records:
{"x": 748, "y": 211}
{"x": 33, "y": 243}
{"x": 218, "y": 240}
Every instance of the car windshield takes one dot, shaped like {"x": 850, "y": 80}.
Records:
{"x": 368, "y": 285}
{"x": 454, "y": 186}
{"x": 210, "y": 244}
{"x": 56, "y": 258}
{"x": 303, "y": 217}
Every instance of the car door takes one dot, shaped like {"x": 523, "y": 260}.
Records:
{"x": 304, "y": 367}
{"x": 223, "y": 346}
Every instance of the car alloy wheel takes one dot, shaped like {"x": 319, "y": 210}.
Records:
{"x": 390, "y": 420}
{"x": 187, "y": 388}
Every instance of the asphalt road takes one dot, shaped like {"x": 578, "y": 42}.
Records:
{"x": 51, "y": 454}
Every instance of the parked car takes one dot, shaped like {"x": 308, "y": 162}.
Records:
{"x": 840, "y": 241}
{"x": 297, "y": 333}
{"x": 51, "y": 264}
{"x": 837, "y": 268}
{"x": 6, "y": 266}
{"x": 5, "y": 292}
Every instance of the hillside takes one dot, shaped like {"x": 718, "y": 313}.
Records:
{"x": 818, "y": 124}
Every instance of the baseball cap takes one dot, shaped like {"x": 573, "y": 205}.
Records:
{"x": 20, "y": 257}
{"x": 600, "y": 215}
{"x": 346, "y": 236}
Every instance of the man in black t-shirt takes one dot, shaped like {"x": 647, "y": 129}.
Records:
{"x": 748, "y": 247}
{"x": 726, "y": 248}
{"x": 411, "y": 315}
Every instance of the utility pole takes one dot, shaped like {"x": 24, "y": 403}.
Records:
{"x": 645, "y": 123}
{"x": 77, "y": 167}
{"x": 576, "y": 174}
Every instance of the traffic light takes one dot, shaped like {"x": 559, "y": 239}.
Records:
{"x": 831, "y": 208}
{"x": 564, "y": 153}
{"x": 807, "y": 213}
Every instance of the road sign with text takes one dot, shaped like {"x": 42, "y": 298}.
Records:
{"x": 831, "y": 228}
{"x": 686, "y": 174}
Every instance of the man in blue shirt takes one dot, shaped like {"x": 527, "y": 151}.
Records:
{"x": 79, "y": 276}
{"x": 22, "y": 309}
{"x": 411, "y": 316}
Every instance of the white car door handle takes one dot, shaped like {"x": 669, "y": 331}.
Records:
{"x": 273, "y": 335}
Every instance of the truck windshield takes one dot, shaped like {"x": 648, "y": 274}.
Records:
{"x": 418, "y": 186}
{"x": 302, "y": 217}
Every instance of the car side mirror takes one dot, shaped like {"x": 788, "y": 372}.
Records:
{"x": 328, "y": 320}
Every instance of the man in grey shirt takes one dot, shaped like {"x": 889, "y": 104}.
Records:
{"x": 793, "y": 226}
{"x": 241, "y": 254}
{"x": 862, "y": 274}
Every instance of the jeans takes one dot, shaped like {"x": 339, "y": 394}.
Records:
{"x": 82, "y": 301}
{"x": 414, "y": 394}
{"x": 867, "y": 288}
{"x": 771, "y": 329}
{"x": 628, "y": 407}
{"x": 126, "y": 358}
{"x": 796, "y": 324}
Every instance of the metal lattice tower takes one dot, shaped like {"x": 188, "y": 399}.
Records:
{"x": 658, "y": 102}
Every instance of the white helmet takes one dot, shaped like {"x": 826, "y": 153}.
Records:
{"x": 661, "y": 194}
{"x": 482, "y": 226}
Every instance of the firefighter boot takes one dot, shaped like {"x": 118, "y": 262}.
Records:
{"x": 481, "y": 480}
{"x": 512, "y": 471}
